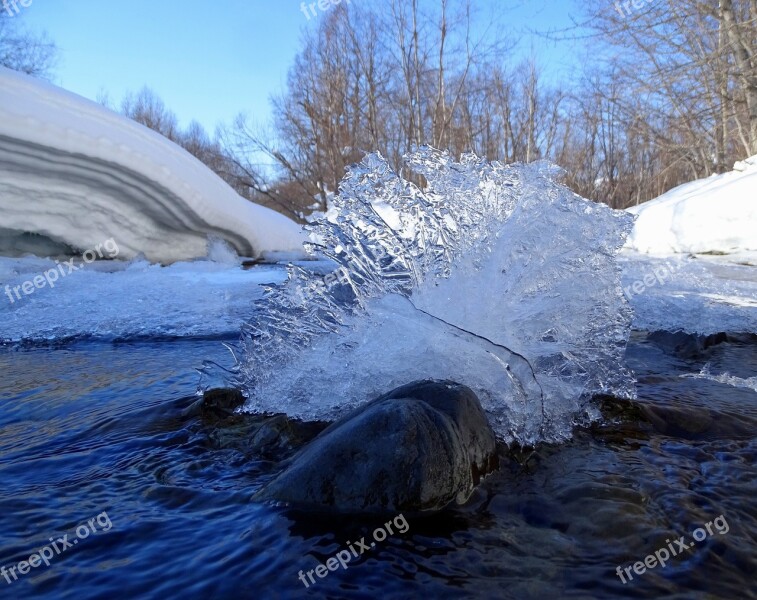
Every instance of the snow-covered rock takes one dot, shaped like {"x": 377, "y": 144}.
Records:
{"x": 78, "y": 174}
{"x": 713, "y": 215}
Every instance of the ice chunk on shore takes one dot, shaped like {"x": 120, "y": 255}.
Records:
{"x": 116, "y": 300}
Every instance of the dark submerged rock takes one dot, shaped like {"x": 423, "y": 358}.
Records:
{"x": 689, "y": 345}
{"x": 625, "y": 419}
{"x": 270, "y": 437}
{"x": 220, "y": 403}
{"x": 421, "y": 447}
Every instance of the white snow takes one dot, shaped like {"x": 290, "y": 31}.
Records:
{"x": 714, "y": 215}
{"x": 78, "y": 174}
{"x": 219, "y": 251}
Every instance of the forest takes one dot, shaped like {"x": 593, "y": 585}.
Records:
{"x": 666, "y": 93}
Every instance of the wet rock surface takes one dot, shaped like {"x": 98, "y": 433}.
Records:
{"x": 267, "y": 437}
{"x": 421, "y": 447}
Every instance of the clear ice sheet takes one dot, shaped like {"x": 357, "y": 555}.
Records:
{"x": 492, "y": 275}
{"x": 136, "y": 300}
{"x": 695, "y": 294}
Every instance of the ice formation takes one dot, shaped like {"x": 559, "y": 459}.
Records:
{"x": 76, "y": 174}
{"x": 495, "y": 276}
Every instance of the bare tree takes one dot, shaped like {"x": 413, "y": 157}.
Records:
{"x": 21, "y": 50}
{"x": 681, "y": 78}
{"x": 147, "y": 108}
{"x": 369, "y": 80}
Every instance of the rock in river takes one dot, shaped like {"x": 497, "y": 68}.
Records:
{"x": 419, "y": 448}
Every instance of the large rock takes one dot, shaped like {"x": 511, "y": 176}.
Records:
{"x": 418, "y": 448}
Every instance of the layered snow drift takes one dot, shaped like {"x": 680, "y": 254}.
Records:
{"x": 79, "y": 174}
{"x": 713, "y": 215}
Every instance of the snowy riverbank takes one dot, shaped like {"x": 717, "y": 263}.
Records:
{"x": 717, "y": 215}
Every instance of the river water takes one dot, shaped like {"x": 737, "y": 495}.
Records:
{"x": 98, "y": 442}
{"x": 102, "y": 428}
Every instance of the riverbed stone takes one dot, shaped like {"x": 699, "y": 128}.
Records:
{"x": 421, "y": 447}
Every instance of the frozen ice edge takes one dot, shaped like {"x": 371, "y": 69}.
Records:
{"x": 502, "y": 253}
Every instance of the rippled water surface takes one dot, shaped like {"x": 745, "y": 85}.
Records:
{"x": 107, "y": 428}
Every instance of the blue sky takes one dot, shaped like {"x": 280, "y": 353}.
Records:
{"x": 211, "y": 60}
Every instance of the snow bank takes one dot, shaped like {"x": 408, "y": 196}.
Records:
{"x": 78, "y": 174}
{"x": 713, "y": 215}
